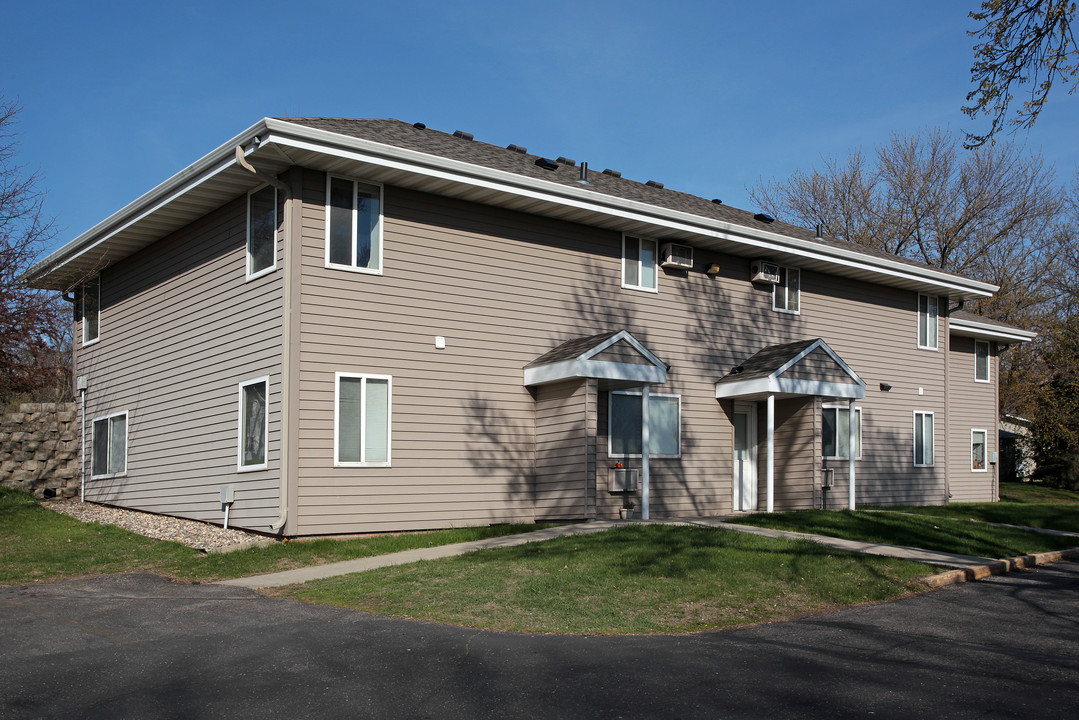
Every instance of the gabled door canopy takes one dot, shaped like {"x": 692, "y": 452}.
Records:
{"x": 780, "y": 371}
{"x": 595, "y": 356}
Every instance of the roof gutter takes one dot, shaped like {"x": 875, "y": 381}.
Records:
{"x": 989, "y": 331}
{"x": 193, "y": 175}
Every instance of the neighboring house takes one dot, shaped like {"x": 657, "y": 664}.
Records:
{"x": 1016, "y": 455}
{"x": 365, "y": 325}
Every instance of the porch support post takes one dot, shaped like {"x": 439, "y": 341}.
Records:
{"x": 644, "y": 452}
{"x": 770, "y": 472}
{"x": 850, "y": 451}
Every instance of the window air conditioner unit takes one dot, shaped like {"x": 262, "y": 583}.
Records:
{"x": 764, "y": 272}
{"x": 676, "y": 256}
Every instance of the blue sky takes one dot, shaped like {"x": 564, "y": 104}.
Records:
{"x": 706, "y": 97}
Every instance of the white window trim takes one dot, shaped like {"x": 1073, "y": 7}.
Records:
{"x": 267, "y": 270}
{"x": 933, "y": 439}
{"x": 363, "y": 419}
{"x": 985, "y": 449}
{"x": 612, "y": 454}
{"x": 918, "y": 328}
{"x": 378, "y": 227}
{"x": 988, "y": 361}
{"x": 622, "y": 268}
{"x": 776, "y": 287}
{"x": 240, "y": 467}
{"x": 127, "y": 437}
{"x": 82, "y": 298}
{"x": 861, "y": 419}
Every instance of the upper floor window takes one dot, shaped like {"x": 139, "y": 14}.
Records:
{"x": 981, "y": 360}
{"x": 108, "y": 446}
{"x": 923, "y": 439}
{"x": 362, "y": 420}
{"x": 836, "y": 434}
{"x": 664, "y": 425}
{"x": 261, "y": 231}
{"x": 786, "y": 294}
{"x": 638, "y": 263}
{"x": 91, "y": 310}
{"x": 353, "y": 225}
{"x": 927, "y": 321}
{"x": 254, "y": 424}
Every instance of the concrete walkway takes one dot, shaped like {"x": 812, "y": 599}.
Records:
{"x": 317, "y": 572}
{"x": 967, "y": 567}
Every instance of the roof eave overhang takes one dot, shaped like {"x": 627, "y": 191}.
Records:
{"x": 987, "y": 331}
{"x": 599, "y": 369}
{"x": 496, "y": 186}
{"x": 759, "y": 388}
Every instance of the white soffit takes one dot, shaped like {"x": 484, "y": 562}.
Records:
{"x": 989, "y": 331}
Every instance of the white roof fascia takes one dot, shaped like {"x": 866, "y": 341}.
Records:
{"x": 568, "y": 369}
{"x": 777, "y": 386}
{"x": 988, "y": 331}
{"x": 146, "y": 204}
{"x": 361, "y": 150}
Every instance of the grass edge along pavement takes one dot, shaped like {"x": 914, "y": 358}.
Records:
{"x": 930, "y": 532}
{"x": 632, "y": 579}
{"x": 39, "y": 545}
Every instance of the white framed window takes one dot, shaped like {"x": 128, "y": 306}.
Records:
{"x": 361, "y": 420}
{"x": 978, "y": 450}
{"x": 923, "y": 439}
{"x": 981, "y": 361}
{"x": 639, "y": 269}
{"x": 261, "y": 231}
{"x": 786, "y": 294}
{"x": 254, "y": 424}
{"x": 353, "y": 225}
{"x": 836, "y": 432}
{"x": 624, "y": 425}
{"x": 108, "y": 446}
{"x": 927, "y": 321}
{"x": 91, "y": 310}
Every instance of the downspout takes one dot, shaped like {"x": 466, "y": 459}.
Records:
{"x": 850, "y": 453}
{"x": 241, "y": 160}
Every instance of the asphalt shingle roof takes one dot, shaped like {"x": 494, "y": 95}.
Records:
{"x": 435, "y": 142}
{"x": 767, "y": 360}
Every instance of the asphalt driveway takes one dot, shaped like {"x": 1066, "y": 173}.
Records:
{"x": 136, "y": 646}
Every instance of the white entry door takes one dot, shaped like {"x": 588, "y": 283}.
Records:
{"x": 745, "y": 457}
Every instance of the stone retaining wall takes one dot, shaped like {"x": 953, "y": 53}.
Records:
{"x": 39, "y": 448}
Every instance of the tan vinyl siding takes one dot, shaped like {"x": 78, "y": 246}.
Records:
{"x": 973, "y": 405}
{"x": 504, "y": 288}
{"x": 562, "y": 451}
{"x": 797, "y": 460}
{"x": 181, "y": 329}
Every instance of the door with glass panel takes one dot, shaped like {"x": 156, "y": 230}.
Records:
{"x": 745, "y": 457}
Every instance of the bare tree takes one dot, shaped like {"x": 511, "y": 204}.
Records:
{"x": 34, "y": 324}
{"x": 995, "y": 214}
{"x": 1022, "y": 42}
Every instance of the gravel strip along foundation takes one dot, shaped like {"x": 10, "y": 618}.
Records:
{"x": 199, "y": 535}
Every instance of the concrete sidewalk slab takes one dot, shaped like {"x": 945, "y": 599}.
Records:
{"x": 317, "y": 572}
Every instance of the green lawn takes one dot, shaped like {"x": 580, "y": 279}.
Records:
{"x": 947, "y": 534}
{"x": 632, "y": 579}
{"x": 1021, "y": 504}
{"x": 1021, "y": 492}
{"x": 37, "y": 545}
